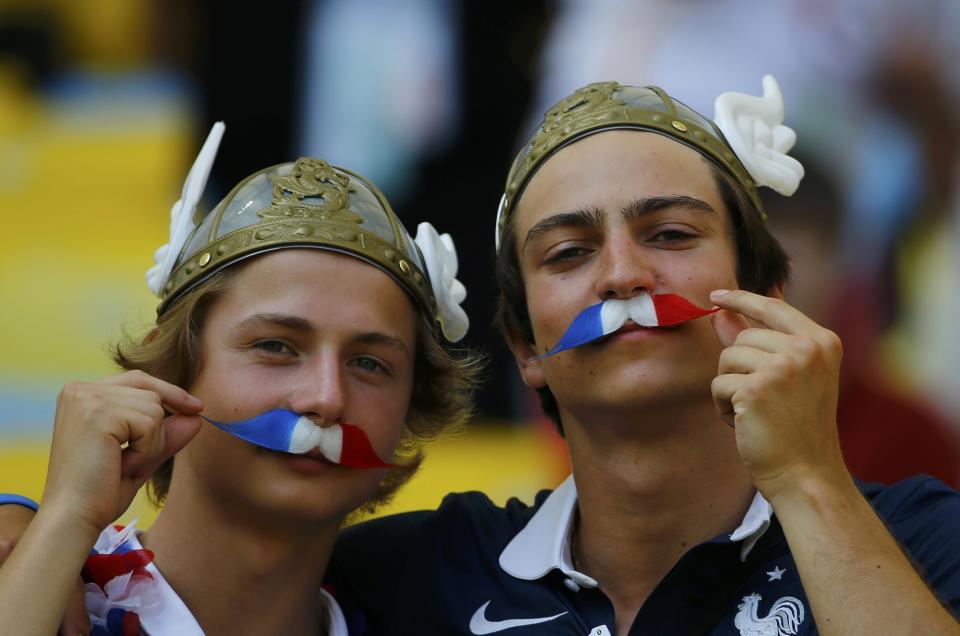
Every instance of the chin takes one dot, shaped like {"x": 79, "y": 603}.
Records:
{"x": 320, "y": 507}
{"x": 641, "y": 386}
{"x": 296, "y": 499}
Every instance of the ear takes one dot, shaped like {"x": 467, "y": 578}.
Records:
{"x": 528, "y": 363}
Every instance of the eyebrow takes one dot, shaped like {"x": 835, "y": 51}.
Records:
{"x": 593, "y": 217}
{"x": 586, "y": 217}
{"x": 304, "y": 326}
{"x": 380, "y": 338}
{"x": 282, "y": 320}
{"x": 641, "y": 207}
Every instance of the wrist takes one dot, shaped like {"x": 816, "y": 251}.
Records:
{"x": 815, "y": 490}
{"x": 65, "y": 517}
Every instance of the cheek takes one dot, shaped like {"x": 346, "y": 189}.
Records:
{"x": 227, "y": 396}
{"x": 216, "y": 455}
{"x": 392, "y": 420}
{"x": 551, "y": 307}
{"x": 232, "y": 388}
{"x": 705, "y": 275}
{"x": 381, "y": 412}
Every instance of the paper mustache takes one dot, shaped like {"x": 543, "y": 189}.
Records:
{"x": 289, "y": 432}
{"x": 602, "y": 319}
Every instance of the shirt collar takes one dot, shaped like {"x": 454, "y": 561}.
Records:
{"x": 167, "y": 614}
{"x": 337, "y": 624}
{"x": 755, "y": 523}
{"x": 170, "y": 615}
{"x": 544, "y": 543}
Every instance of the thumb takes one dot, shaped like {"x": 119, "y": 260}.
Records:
{"x": 728, "y": 325}
{"x": 178, "y": 430}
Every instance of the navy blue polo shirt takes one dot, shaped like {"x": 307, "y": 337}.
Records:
{"x": 472, "y": 567}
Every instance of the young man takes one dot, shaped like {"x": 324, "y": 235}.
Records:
{"x": 708, "y": 493}
{"x": 299, "y": 300}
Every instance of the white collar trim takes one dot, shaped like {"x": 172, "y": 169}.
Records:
{"x": 754, "y": 525}
{"x": 171, "y": 615}
{"x": 337, "y": 625}
{"x": 544, "y": 543}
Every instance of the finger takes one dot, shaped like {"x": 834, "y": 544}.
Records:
{"x": 764, "y": 339}
{"x": 772, "y": 313}
{"x": 145, "y": 445}
{"x": 75, "y": 620}
{"x": 723, "y": 388}
{"x": 178, "y": 431}
{"x": 170, "y": 394}
{"x": 144, "y": 434}
{"x": 728, "y": 326}
{"x": 744, "y": 360}
{"x": 142, "y": 400}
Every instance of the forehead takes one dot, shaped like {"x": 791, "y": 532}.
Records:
{"x": 610, "y": 169}
{"x": 323, "y": 285}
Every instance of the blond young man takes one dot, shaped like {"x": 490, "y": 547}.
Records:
{"x": 299, "y": 295}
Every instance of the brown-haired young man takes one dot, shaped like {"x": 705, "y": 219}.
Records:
{"x": 624, "y": 191}
{"x": 708, "y": 494}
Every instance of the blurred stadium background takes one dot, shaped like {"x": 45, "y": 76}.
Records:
{"x": 103, "y": 105}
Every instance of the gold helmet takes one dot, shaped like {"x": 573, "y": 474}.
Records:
{"x": 748, "y": 139}
{"x": 312, "y": 204}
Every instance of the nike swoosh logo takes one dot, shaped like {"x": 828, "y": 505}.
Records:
{"x": 480, "y": 625}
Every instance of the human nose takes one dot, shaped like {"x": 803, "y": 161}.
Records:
{"x": 623, "y": 269}
{"x": 320, "y": 392}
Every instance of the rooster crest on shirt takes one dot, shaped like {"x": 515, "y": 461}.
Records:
{"x": 783, "y": 619}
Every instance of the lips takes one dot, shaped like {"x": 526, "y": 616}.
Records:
{"x": 629, "y": 327}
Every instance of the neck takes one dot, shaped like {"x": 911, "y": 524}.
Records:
{"x": 650, "y": 488}
{"x": 213, "y": 555}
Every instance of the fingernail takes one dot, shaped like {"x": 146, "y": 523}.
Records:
{"x": 193, "y": 399}
{"x": 717, "y": 293}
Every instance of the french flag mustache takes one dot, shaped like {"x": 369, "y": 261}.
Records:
{"x": 289, "y": 432}
{"x": 602, "y": 319}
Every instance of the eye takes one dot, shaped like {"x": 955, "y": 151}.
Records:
{"x": 275, "y": 347}
{"x": 566, "y": 254}
{"x": 671, "y": 235}
{"x": 368, "y": 364}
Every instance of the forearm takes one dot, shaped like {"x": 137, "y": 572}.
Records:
{"x": 37, "y": 580}
{"x": 856, "y": 577}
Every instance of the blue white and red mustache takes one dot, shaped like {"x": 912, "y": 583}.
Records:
{"x": 646, "y": 310}
{"x": 289, "y": 432}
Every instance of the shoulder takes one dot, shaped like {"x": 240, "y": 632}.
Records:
{"x": 923, "y": 514}
{"x": 471, "y": 512}
{"x": 475, "y": 511}
{"x": 914, "y": 499}
{"x": 402, "y": 559}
